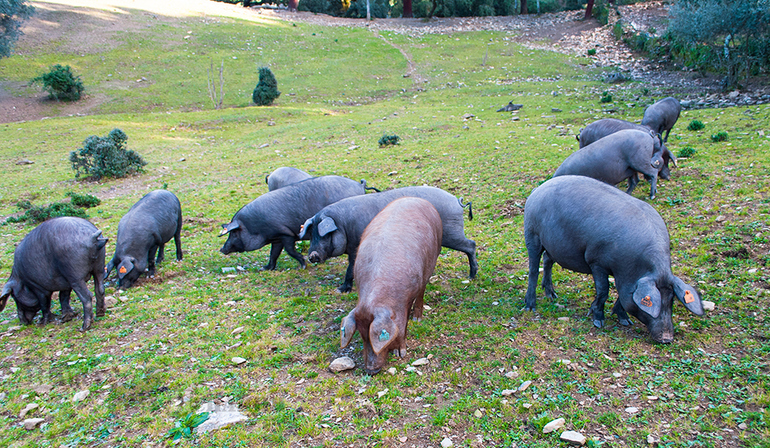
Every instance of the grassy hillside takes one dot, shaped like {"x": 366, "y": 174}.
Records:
{"x": 165, "y": 346}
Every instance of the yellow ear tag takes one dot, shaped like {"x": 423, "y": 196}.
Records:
{"x": 646, "y": 301}
{"x": 688, "y": 297}
{"x": 122, "y": 270}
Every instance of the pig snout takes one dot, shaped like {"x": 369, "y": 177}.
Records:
{"x": 662, "y": 331}
{"x": 315, "y": 257}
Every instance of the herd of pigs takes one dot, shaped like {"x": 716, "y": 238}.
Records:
{"x": 578, "y": 219}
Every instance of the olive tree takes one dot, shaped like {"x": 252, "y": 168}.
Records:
{"x": 12, "y": 15}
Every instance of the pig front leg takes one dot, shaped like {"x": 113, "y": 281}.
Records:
{"x": 151, "y": 261}
{"x": 621, "y": 313}
{"x": 602, "y": 285}
{"x": 45, "y": 308}
{"x": 101, "y": 307}
{"x": 417, "y": 307}
{"x": 161, "y": 253}
{"x": 288, "y": 244}
{"x": 67, "y": 313}
{"x": 347, "y": 285}
{"x": 275, "y": 251}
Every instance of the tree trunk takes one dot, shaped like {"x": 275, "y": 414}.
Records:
{"x": 524, "y": 7}
{"x": 293, "y": 4}
{"x": 589, "y": 8}
{"x": 408, "y": 9}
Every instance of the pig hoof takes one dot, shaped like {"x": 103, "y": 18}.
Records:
{"x": 598, "y": 323}
{"x": 66, "y": 317}
{"x": 624, "y": 322}
{"x": 343, "y": 289}
{"x": 100, "y": 312}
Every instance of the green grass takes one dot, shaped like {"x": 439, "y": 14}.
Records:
{"x": 166, "y": 346}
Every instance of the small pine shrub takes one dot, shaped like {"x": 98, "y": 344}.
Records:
{"x": 61, "y": 83}
{"x": 83, "y": 200}
{"x": 267, "y": 88}
{"x": 687, "y": 151}
{"x": 696, "y": 125}
{"x": 387, "y": 140}
{"x": 36, "y": 214}
{"x": 720, "y": 136}
{"x": 606, "y": 97}
{"x": 106, "y": 157}
{"x": 591, "y": 51}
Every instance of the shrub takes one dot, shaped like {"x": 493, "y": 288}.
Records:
{"x": 266, "y": 90}
{"x": 387, "y": 140}
{"x": 61, "y": 83}
{"x": 106, "y": 157}
{"x": 36, "y": 214}
{"x": 12, "y": 14}
{"x": 687, "y": 151}
{"x": 83, "y": 200}
{"x": 696, "y": 125}
{"x": 720, "y": 136}
{"x": 591, "y": 51}
{"x": 606, "y": 97}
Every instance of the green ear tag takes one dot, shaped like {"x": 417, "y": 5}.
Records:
{"x": 384, "y": 335}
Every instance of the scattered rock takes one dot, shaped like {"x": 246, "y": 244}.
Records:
{"x": 238, "y": 330}
{"x": 524, "y": 386}
{"x": 421, "y": 362}
{"x": 650, "y": 439}
{"x": 555, "y": 109}
{"x": 31, "y": 423}
{"x": 28, "y": 408}
{"x": 708, "y": 306}
{"x": 392, "y": 370}
{"x": 743, "y": 426}
{"x": 478, "y": 413}
{"x": 382, "y": 393}
{"x": 563, "y": 318}
{"x": 553, "y": 425}
{"x": 342, "y": 364}
{"x": 652, "y": 397}
{"x": 447, "y": 442}
{"x": 24, "y": 162}
{"x": 507, "y": 392}
{"x": 632, "y": 410}
{"x": 237, "y": 360}
{"x": 110, "y": 301}
{"x": 220, "y": 415}
{"x": 80, "y": 396}
{"x": 573, "y": 438}
{"x": 527, "y": 405}
{"x": 43, "y": 389}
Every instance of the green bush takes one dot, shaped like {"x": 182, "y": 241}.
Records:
{"x": 106, "y": 157}
{"x": 36, "y": 214}
{"x": 591, "y": 51}
{"x": 83, "y": 200}
{"x": 387, "y": 140}
{"x": 687, "y": 151}
{"x": 606, "y": 97}
{"x": 61, "y": 83}
{"x": 720, "y": 136}
{"x": 266, "y": 90}
{"x": 696, "y": 125}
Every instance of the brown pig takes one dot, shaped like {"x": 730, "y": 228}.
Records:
{"x": 396, "y": 257}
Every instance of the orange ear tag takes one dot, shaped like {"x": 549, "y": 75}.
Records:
{"x": 646, "y": 301}
{"x": 122, "y": 270}
{"x": 688, "y": 297}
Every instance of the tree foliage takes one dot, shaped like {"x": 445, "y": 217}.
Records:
{"x": 106, "y": 157}
{"x": 729, "y": 36}
{"x": 12, "y": 14}
{"x": 266, "y": 90}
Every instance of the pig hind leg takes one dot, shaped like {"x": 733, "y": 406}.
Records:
{"x": 417, "y": 305}
{"x": 462, "y": 244}
{"x": 101, "y": 308}
{"x": 534, "y": 250}
{"x": 275, "y": 251}
{"x": 178, "y": 241}
{"x": 602, "y": 284}
{"x": 632, "y": 181}
{"x": 547, "y": 280}
{"x": 67, "y": 313}
{"x": 81, "y": 289}
{"x": 288, "y": 244}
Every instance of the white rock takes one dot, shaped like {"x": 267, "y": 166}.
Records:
{"x": 511, "y": 374}
{"x": 553, "y": 425}
{"x": 617, "y": 374}
{"x": 80, "y": 396}
{"x": 524, "y": 386}
{"x": 708, "y": 306}
{"x": 342, "y": 364}
{"x": 447, "y": 442}
{"x": 507, "y": 392}
{"x": 650, "y": 439}
{"x": 238, "y": 330}
{"x": 28, "y": 408}
{"x": 573, "y": 438}
{"x": 392, "y": 370}
{"x": 31, "y": 423}
{"x": 420, "y": 362}
{"x": 652, "y": 397}
{"x": 527, "y": 405}
{"x": 110, "y": 301}
{"x": 478, "y": 413}
{"x": 219, "y": 416}
{"x": 382, "y": 393}
{"x": 563, "y": 318}
{"x": 237, "y": 360}
{"x": 743, "y": 426}
{"x": 632, "y": 410}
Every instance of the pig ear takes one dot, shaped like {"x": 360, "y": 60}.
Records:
{"x": 670, "y": 155}
{"x": 326, "y": 225}
{"x": 305, "y": 228}
{"x": 124, "y": 268}
{"x": 382, "y": 330}
{"x": 7, "y": 290}
{"x": 647, "y": 296}
{"x": 347, "y": 329}
{"x": 688, "y": 296}
{"x": 227, "y": 228}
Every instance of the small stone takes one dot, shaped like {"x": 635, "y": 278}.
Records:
{"x": 25, "y": 162}
{"x": 31, "y": 423}
{"x": 511, "y": 374}
{"x": 80, "y": 396}
{"x": 743, "y": 426}
{"x": 632, "y": 410}
{"x": 524, "y": 386}
{"x": 342, "y": 364}
{"x": 392, "y": 370}
{"x": 507, "y": 392}
{"x": 402, "y": 439}
{"x": 110, "y": 301}
{"x": 447, "y": 442}
{"x": 555, "y": 109}
{"x": 563, "y": 318}
{"x": 708, "y": 306}
{"x": 478, "y": 413}
{"x": 420, "y": 362}
{"x": 238, "y": 330}
{"x": 527, "y": 405}
{"x": 573, "y": 438}
{"x": 720, "y": 218}
{"x": 382, "y": 393}
{"x": 28, "y": 408}
{"x": 42, "y": 389}
{"x": 553, "y": 425}
{"x": 650, "y": 439}
{"x": 237, "y": 360}
{"x": 617, "y": 374}
{"x": 652, "y": 397}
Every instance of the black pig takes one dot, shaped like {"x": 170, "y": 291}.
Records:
{"x": 662, "y": 115}
{"x": 284, "y": 176}
{"x": 61, "y": 254}
{"x": 145, "y": 229}
{"x": 337, "y": 229}
{"x": 276, "y": 217}
{"x": 590, "y": 227}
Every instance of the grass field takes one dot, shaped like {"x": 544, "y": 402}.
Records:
{"x": 165, "y": 346}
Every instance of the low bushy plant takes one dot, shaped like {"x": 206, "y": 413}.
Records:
{"x": 266, "y": 90}
{"x": 720, "y": 136}
{"x": 106, "y": 157}
{"x": 606, "y": 97}
{"x": 696, "y": 125}
{"x": 61, "y": 83}
{"x": 687, "y": 151}
{"x": 591, "y": 51}
{"x": 83, "y": 200}
{"x": 387, "y": 140}
{"x": 36, "y": 214}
